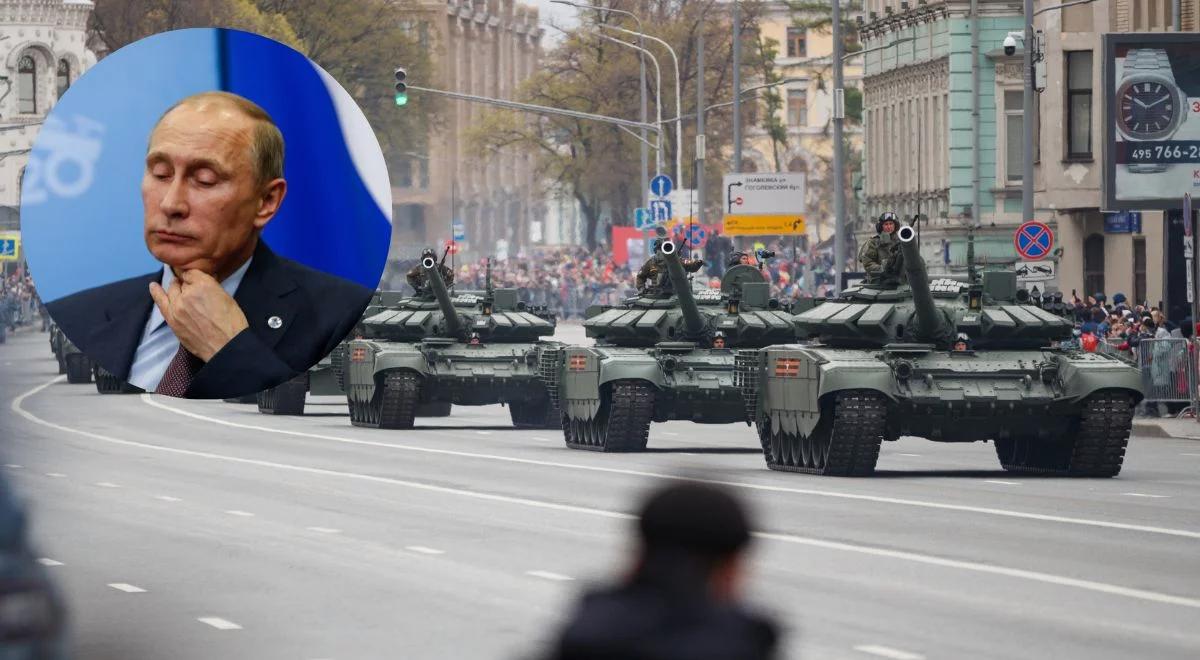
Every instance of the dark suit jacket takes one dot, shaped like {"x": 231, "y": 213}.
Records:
{"x": 316, "y": 311}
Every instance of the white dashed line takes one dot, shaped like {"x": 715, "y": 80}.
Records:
{"x": 107, "y": 484}
{"x": 1183, "y": 454}
{"x": 46, "y": 561}
{"x": 167, "y": 498}
{"x": 55, "y": 474}
{"x": 324, "y": 530}
{"x": 219, "y": 623}
{"x": 425, "y": 551}
{"x": 127, "y": 588}
{"x": 888, "y": 652}
{"x": 244, "y": 514}
{"x": 1146, "y": 495}
{"x": 483, "y": 433}
{"x": 910, "y": 455}
{"x": 12, "y": 466}
{"x": 541, "y": 439}
{"x": 669, "y": 433}
{"x": 686, "y": 453}
{"x": 1002, "y": 483}
{"x": 547, "y": 575}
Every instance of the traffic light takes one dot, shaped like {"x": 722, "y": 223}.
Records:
{"x": 401, "y": 86}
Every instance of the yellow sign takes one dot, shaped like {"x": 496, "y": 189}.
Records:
{"x": 10, "y": 246}
{"x": 758, "y": 225}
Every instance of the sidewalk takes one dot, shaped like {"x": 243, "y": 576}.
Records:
{"x": 1161, "y": 427}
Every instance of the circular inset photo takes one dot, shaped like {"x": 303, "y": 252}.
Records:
{"x": 206, "y": 213}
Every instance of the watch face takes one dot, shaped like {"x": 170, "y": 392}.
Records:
{"x": 1149, "y": 110}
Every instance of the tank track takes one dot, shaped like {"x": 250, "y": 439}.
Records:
{"x": 1095, "y": 449}
{"x": 398, "y": 400}
{"x": 107, "y": 383}
{"x": 623, "y": 427}
{"x": 285, "y": 398}
{"x": 79, "y": 368}
{"x": 847, "y": 447}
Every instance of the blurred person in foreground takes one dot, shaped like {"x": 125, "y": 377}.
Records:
{"x": 681, "y": 599}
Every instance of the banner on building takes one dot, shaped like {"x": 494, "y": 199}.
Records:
{"x": 1151, "y": 119}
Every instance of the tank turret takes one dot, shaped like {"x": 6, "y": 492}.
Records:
{"x": 692, "y": 321}
{"x": 453, "y": 323}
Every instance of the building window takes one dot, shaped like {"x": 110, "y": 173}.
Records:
{"x": 797, "y": 108}
{"x": 1014, "y": 125}
{"x": 797, "y": 42}
{"x": 64, "y": 76}
{"x": 1079, "y": 104}
{"x": 27, "y": 85}
{"x": 1139, "y": 270}
{"x": 1093, "y": 264}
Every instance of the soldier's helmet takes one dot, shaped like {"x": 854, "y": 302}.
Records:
{"x": 428, "y": 252}
{"x": 884, "y": 217}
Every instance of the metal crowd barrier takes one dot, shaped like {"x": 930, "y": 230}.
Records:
{"x": 1108, "y": 349}
{"x": 1168, "y": 369}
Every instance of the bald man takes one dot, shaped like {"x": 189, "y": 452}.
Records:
{"x": 224, "y": 316}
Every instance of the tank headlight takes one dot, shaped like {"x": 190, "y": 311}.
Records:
{"x": 670, "y": 363}
{"x": 903, "y": 369}
{"x": 1049, "y": 375}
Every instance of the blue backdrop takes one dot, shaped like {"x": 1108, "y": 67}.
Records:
{"x": 81, "y": 210}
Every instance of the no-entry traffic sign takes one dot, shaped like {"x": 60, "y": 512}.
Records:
{"x": 1033, "y": 240}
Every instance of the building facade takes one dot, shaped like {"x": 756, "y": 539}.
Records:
{"x": 805, "y": 55}
{"x": 487, "y": 48}
{"x": 43, "y": 50}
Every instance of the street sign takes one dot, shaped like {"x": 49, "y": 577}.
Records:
{"x": 459, "y": 229}
{"x": 764, "y": 204}
{"x": 1035, "y": 271}
{"x": 642, "y": 218}
{"x": 660, "y": 212}
{"x": 1033, "y": 240}
{"x": 661, "y": 185}
{"x": 10, "y": 246}
{"x": 684, "y": 204}
{"x": 696, "y": 235}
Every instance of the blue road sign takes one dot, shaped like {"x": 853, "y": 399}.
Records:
{"x": 642, "y": 218}
{"x": 1033, "y": 240}
{"x": 8, "y": 248}
{"x": 459, "y": 229}
{"x": 660, "y": 211}
{"x": 696, "y": 235}
{"x": 661, "y": 185}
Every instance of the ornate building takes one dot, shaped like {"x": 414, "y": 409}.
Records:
{"x": 42, "y": 50}
{"x": 486, "y": 48}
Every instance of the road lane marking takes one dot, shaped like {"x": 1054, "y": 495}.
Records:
{"x": 424, "y": 550}
{"x": 167, "y": 498}
{"x": 236, "y": 512}
{"x": 57, "y": 475}
{"x": 1145, "y": 495}
{"x": 547, "y": 575}
{"x": 46, "y": 561}
{"x": 107, "y": 484}
{"x": 483, "y": 433}
{"x": 1002, "y": 483}
{"x": 914, "y": 557}
{"x": 219, "y": 623}
{"x": 1184, "y": 454}
{"x": 912, "y": 455}
{"x": 324, "y": 530}
{"x": 888, "y": 652}
{"x": 127, "y": 588}
{"x": 963, "y": 508}
{"x": 12, "y": 466}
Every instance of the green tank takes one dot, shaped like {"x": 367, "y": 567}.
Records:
{"x": 657, "y": 358}
{"x": 440, "y": 348}
{"x": 882, "y": 363}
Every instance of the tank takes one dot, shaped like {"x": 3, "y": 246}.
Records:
{"x": 441, "y": 348}
{"x": 654, "y": 358}
{"x": 879, "y": 363}
{"x": 106, "y": 383}
{"x": 75, "y": 364}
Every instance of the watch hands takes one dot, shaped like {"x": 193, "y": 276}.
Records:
{"x": 1151, "y": 105}
{"x": 1137, "y": 101}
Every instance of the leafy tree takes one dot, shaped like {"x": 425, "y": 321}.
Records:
{"x": 772, "y": 119}
{"x": 818, "y": 17}
{"x": 117, "y": 23}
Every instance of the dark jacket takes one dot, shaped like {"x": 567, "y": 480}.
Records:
{"x": 316, "y": 311}
{"x": 642, "y": 622}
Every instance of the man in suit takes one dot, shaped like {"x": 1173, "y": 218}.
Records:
{"x": 225, "y": 316}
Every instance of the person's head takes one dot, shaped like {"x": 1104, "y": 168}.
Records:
{"x": 719, "y": 340}
{"x": 213, "y": 180}
{"x": 962, "y": 342}
{"x": 888, "y": 223}
{"x": 692, "y": 538}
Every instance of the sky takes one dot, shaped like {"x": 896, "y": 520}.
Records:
{"x": 561, "y": 15}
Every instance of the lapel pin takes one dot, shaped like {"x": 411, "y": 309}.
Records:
{"x": 275, "y": 322}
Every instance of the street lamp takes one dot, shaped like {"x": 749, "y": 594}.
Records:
{"x": 658, "y": 97}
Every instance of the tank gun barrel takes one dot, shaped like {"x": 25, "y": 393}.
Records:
{"x": 683, "y": 289}
{"x": 931, "y": 322}
{"x": 454, "y": 324}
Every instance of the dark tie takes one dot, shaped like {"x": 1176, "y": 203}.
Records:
{"x": 179, "y": 373}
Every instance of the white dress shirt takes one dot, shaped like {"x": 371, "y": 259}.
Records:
{"x": 159, "y": 343}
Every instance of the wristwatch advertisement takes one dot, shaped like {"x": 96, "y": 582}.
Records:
{"x": 1152, "y": 119}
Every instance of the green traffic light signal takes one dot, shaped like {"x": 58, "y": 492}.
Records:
{"x": 401, "y": 87}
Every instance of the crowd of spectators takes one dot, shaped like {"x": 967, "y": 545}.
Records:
{"x": 19, "y": 302}
{"x": 1121, "y": 325}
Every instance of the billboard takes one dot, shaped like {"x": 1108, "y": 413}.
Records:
{"x": 1151, "y": 119}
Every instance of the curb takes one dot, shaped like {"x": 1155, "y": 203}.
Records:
{"x": 1149, "y": 429}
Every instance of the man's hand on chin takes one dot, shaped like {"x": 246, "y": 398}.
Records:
{"x": 203, "y": 316}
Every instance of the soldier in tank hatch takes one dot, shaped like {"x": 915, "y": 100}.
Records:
{"x": 880, "y": 256}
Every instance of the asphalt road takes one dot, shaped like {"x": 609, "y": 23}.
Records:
{"x": 189, "y": 529}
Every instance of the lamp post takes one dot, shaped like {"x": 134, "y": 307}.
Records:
{"x": 678, "y": 100}
{"x": 658, "y": 96}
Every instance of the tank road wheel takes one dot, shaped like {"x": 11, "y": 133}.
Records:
{"x": 395, "y": 403}
{"x": 539, "y": 414}
{"x": 79, "y": 368}
{"x": 286, "y": 398}
{"x": 621, "y": 424}
{"x": 1094, "y": 448}
{"x": 847, "y": 445}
